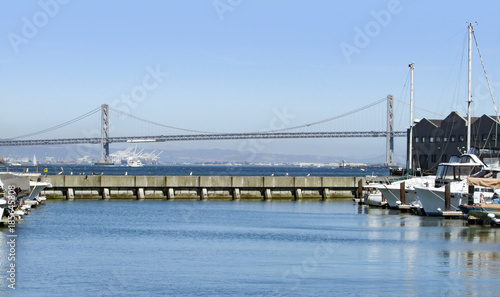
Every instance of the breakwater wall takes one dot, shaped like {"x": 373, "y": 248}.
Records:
{"x": 203, "y": 187}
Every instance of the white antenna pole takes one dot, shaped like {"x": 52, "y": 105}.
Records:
{"x": 469, "y": 100}
{"x": 410, "y": 142}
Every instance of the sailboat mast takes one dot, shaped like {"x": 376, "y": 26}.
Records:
{"x": 469, "y": 100}
{"x": 410, "y": 141}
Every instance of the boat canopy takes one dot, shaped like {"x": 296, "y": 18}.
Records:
{"x": 457, "y": 171}
{"x": 484, "y": 182}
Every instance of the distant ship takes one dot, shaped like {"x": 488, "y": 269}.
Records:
{"x": 134, "y": 163}
{"x": 343, "y": 164}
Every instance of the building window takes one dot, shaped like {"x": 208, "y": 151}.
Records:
{"x": 438, "y": 138}
{"x": 461, "y": 138}
{"x": 423, "y": 139}
{"x": 431, "y": 138}
{"x": 493, "y": 137}
{"x": 433, "y": 158}
{"x": 452, "y": 138}
{"x": 417, "y": 140}
{"x": 485, "y": 137}
{"x": 475, "y": 138}
{"x": 445, "y": 138}
{"x": 444, "y": 158}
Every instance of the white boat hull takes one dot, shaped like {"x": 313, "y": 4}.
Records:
{"x": 37, "y": 188}
{"x": 374, "y": 199}
{"x": 393, "y": 197}
{"x": 392, "y": 192}
{"x": 432, "y": 200}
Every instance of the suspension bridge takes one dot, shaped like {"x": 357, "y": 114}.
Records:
{"x": 106, "y": 139}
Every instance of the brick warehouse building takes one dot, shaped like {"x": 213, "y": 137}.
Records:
{"x": 435, "y": 141}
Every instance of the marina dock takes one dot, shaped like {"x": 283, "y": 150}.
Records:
{"x": 203, "y": 187}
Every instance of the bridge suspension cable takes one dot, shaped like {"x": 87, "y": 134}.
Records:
{"x": 423, "y": 109}
{"x": 269, "y": 131}
{"x": 154, "y": 123}
{"x": 60, "y": 125}
{"x": 192, "y": 130}
{"x": 332, "y": 118}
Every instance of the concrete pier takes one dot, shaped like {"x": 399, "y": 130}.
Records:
{"x": 263, "y": 188}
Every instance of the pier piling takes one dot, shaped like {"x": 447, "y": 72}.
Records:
{"x": 360, "y": 189}
{"x": 236, "y": 194}
{"x": 298, "y": 194}
{"x": 170, "y": 194}
{"x": 70, "y": 194}
{"x": 447, "y": 198}
{"x": 105, "y": 194}
{"x": 402, "y": 193}
{"x": 140, "y": 193}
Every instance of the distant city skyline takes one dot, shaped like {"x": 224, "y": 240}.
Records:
{"x": 231, "y": 66}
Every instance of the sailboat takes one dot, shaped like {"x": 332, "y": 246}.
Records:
{"x": 434, "y": 199}
{"x": 34, "y": 160}
{"x": 401, "y": 194}
{"x": 425, "y": 193}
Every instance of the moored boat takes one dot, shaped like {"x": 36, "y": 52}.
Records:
{"x": 481, "y": 206}
{"x": 487, "y": 212}
{"x": 373, "y": 196}
{"x": 25, "y": 194}
{"x": 455, "y": 173}
{"x": 392, "y": 192}
{"x": 434, "y": 198}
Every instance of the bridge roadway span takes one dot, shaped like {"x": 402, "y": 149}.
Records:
{"x": 260, "y": 188}
{"x": 222, "y": 136}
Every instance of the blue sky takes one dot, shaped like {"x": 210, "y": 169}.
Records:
{"x": 233, "y": 65}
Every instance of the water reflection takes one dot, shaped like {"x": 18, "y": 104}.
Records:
{"x": 431, "y": 248}
{"x": 480, "y": 234}
{"x": 337, "y": 246}
{"x": 467, "y": 269}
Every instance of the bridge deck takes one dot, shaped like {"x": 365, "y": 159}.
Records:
{"x": 225, "y": 136}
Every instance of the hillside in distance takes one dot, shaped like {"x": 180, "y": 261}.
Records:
{"x": 77, "y": 153}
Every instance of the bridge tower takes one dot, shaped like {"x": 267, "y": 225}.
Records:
{"x": 389, "y": 159}
{"x": 104, "y": 159}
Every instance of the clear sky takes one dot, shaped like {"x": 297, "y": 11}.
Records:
{"x": 241, "y": 65}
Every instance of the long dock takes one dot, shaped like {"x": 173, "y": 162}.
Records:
{"x": 203, "y": 187}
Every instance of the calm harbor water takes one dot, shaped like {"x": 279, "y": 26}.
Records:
{"x": 197, "y": 248}
{"x": 213, "y": 248}
{"x": 218, "y": 170}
